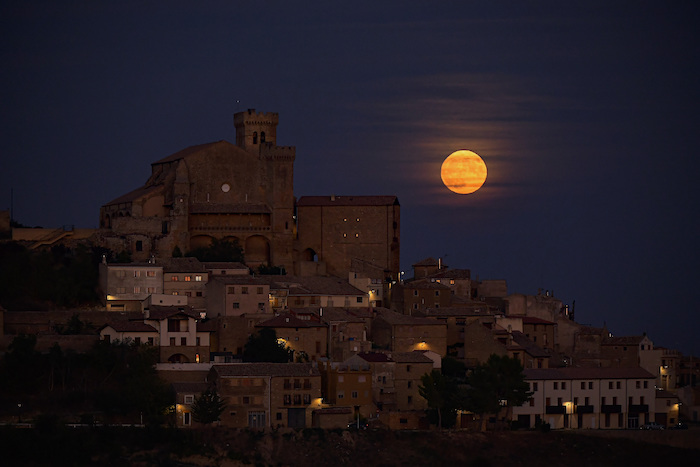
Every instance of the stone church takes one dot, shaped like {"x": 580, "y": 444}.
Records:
{"x": 245, "y": 192}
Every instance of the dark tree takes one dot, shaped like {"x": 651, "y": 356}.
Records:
{"x": 219, "y": 250}
{"x": 208, "y": 407}
{"x": 497, "y": 383}
{"x": 264, "y": 347}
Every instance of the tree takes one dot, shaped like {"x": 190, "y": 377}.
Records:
{"x": 498, "y": 382}
{"x": 219, "y": 250}
{"x": 208, "y": 407}
{"x": 435, "y": 389}
{"x": 264, "y": 347}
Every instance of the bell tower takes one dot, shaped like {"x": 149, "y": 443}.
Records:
{"x": 254, "y": 130}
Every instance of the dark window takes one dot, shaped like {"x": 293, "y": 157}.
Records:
{"x": 139, "y": 245}
{"x": 255, "y": 137}
{"x": 262, "y": 136}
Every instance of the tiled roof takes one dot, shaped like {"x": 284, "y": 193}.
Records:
{"x": 624, "y": 340}
{"x": 410, "y": 357}
{"x": 313, "y": 285}
{"x": 532, "y": 320}
{"x": 185, "y": 264}
{"x": 470, "y": 309}
{"x": 374, "y": 357}
{"x": 587, "y": 373}
{"x": 135, "y": 194}
{"x": 528, "y": 345}
{"x": 266, "y": 369}
{"x": 130, "y": 326}
{"x": 158, "y": 312}
{"x": 333, "y": 410}
{"x": 193, "y": 150}
{"x": 347, "y": 201}
{"x": 452, "y": 274}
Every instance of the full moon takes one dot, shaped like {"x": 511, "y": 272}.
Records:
{"x": 463, "y": 172}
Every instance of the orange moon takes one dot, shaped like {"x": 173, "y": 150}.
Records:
{"x": 463, "y": 172}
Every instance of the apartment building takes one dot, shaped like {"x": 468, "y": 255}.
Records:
{"x": 589, "y": 398}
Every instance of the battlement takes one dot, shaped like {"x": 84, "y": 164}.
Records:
{"x": 251, "y": 117}
{"x": 254, "y": 129}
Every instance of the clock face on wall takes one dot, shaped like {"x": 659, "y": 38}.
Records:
{"x": 225, "y": 187}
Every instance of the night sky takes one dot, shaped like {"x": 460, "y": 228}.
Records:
{"x": 585, "y": 114}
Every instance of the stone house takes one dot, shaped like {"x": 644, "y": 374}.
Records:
{"x": 265, "y": 395}
{"x": 402, "y": 333}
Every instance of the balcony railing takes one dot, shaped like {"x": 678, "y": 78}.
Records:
{"x": 607, "y": 408}
{"x": 552, "y": 409}
{"x": 584, "y": 409}
{"x": 639, "y": 408}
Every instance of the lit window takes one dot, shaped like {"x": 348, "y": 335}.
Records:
{"x": 174, "y": 278}
{"x": 188, "y": 278}
{"x": 151, "y": 273}
{"x": 198, "y": 278}
{"x": 137, "y": 289}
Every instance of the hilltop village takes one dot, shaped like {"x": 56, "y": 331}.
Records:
{"x": 323, "y": 273}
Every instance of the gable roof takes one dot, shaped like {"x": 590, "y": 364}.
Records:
{"x": 313, "y": 285}
{"x": 158, "y": 312}
{"x": 410, "y": 357}
{"x": 129, "y": 326}
{"x": 374, "y": 357}
{"x": 184, "y": 264}
{"x": 528, "y": 346}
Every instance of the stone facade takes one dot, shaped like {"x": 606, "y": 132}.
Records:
{"x": 336, "y": 231}
{"x": 241, "y": 192}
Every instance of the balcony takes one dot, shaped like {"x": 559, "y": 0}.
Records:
{"x": 606, "y": 408}
{"x": 639, "y": 408}
{"x": 584, "y": 409}
{"x": 554, "y": 409}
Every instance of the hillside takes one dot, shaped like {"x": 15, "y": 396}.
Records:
{"x": 224, "y": 447}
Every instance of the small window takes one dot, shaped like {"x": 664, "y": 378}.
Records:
{"x": 236, "y": 305}
{"x": 198, "y": 278}
{"x": 354, "y": 394}
{"x": 189, "y": 399}
{"x": 174, "y": 278}
{"x": 188, "y": 278}
{"x": 139, "y": 245}
{"x": 244, "y": 290}
{"x": 590, "y": 386}
{"x": 583, "y": 385}
{"x": 556, "y": 385}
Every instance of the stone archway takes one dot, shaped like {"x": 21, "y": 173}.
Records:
{"x": 178, "y": 358}
{"x": 257, "y": 250}
{"x": 200, "y": 241}
{"x": 309, "y": 255}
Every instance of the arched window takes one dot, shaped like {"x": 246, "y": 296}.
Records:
{"x": 255, "y": 137}
{"x": 262, "y": 136}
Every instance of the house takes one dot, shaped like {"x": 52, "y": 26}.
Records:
{"x": 317, "y": 291}
{"x": 458, "y": 280}
{"x": 349, "y": 383}
{"x": 383, "y": 388}
{"x": 235, "y": 295}
{"x": 588, "y": 398}
{"x": 402, "y": 333}
{"x": 186, "y": 277}
{"x": 305, "y": 335}
{"x": 137, "y": 332}
{"x": 421, "y": 294}
{"x": 125, "y": 286}
{"x": 666, "y": 408}
{"x": 409, "y": 368}
{"x": 456, "y": 317}
{"x": 264, "y": 395}
{"x": 185, "y": 395}
{"x": 348, "y": 329}
{"x": 183, "y": 335}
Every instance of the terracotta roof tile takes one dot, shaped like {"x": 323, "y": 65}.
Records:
{"x": 266, "y": 369}
{"x": 587, "y": 373}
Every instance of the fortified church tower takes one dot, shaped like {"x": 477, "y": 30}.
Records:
{"x": 213, "y": 191}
